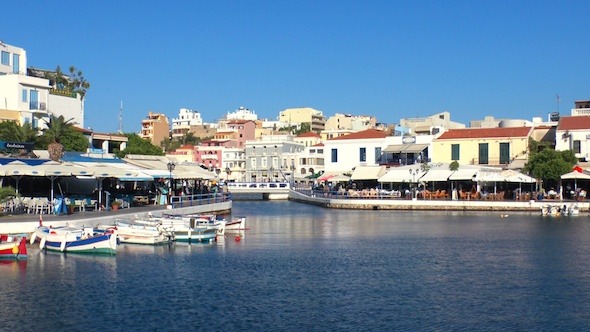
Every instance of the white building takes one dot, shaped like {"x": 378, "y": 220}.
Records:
{"x": 27, "y": 97}
{"x": 363, "y": 148}
{"x": 186, "y": 119}
{"x": 242, "y": 113}
{"x": 271, "y": 158}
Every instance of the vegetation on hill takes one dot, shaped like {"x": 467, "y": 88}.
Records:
{"x": 138, "y": 145}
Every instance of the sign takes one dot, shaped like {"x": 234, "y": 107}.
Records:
{"x": 17, "y": 145}
{"x": 409, "y": 139}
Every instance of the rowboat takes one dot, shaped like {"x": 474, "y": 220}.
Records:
{"x": 88, "y": 242}
{"x": 12, "y": 248}
{"x": 182, "y": 231}
{"x": 236, "y": 224}
{"x": 134, "y": 233}
{"x": 196, "y": 221}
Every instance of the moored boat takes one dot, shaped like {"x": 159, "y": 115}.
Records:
{"x": 13, "y": 248}
{"x": 236, "y": 224}
{"x": 133, "y": 233}
{"x": 88, "y": 242}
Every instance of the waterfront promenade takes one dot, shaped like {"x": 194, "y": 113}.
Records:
{"x": 26, "y": 223}
{"x": 329, "y": 200}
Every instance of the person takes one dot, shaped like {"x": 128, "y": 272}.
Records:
{"x": 582, "y": 195}
{"x": 552, "y": 193}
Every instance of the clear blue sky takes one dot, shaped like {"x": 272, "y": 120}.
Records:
{"x": 390, "y": 59}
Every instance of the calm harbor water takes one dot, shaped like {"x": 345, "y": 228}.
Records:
{"x": 306, "y": 268}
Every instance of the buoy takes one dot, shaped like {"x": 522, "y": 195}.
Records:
{"x": 238, "y": 238}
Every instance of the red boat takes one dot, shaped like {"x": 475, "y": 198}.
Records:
{"x": 13, "y": 248}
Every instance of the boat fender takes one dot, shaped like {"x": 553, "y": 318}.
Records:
{"x": 15, "y": 250}
{"x": 238, "y": 238}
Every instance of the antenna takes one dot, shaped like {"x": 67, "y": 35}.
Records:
{"x": 121, "y": 118}
{"x": 558, "y": 100}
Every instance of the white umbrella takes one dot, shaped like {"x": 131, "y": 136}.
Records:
{"x": 102, "y": 171}
{"x": 17, "y": 169}
{"x": 575, "y": 175}
{"x": 53, "y": 169}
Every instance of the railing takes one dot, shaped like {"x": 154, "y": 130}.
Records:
{"x": 258, "y": 187}
{"x": 199, "y": 199}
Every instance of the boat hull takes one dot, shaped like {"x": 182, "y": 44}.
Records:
{"x": 236, "y": 225}
{"x": 100, "y": 244}
{"x": 14, "y": 250}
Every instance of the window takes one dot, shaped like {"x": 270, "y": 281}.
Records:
{"x": 334, "y": 155}
{"x": 504, "y": 153}
{"x": 15, "y": 64}
{"x": 483, "y": 153}
{"x": 455, "y": 152}
{"x": 5, "y": 58}
{"x": 577, "y": 146}
{"x": 363, "y": 154}
{"x": 253, "y": 163}
{"x": 25, "y": 96}
{"x": 377, "y": 154}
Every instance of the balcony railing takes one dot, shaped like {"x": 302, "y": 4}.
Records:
{"x": 63, "y": 92}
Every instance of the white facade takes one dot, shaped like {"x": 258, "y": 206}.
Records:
{"x": 186, "y": 119}
{"x": 234, "y": 160}
{"x": 342, "y": 155}
{"x": 27, "y": 98}
{"x": 242, "y": 113}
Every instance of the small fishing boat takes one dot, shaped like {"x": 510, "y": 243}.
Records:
{"x": 13, "y": 248}
{"x": 134, "y": 233}
{"x": 89, "y": 242}
{"x": 236, "y": 224}
{"x": 183, "y": 232}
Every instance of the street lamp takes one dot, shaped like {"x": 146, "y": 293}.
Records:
{"x": 227, "y": 173}
{"x": 171, "y": 167}
{"x": 414, "y": 172}
{"x": 292, "y": 167}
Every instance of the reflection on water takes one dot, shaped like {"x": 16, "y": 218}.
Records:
{"x": 301, "y": 267}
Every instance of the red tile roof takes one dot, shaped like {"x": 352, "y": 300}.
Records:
{"x": 486, "y": 133}
{"x": 309, "y": 134}
{"x": 318, "y": 145}
{"x": 573, "y": 122}
{"x": 365, "y": 134}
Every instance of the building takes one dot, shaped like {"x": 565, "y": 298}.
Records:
{"x": 298, "y": 116}
{"x": 581, "y": 108}
{"x": 309, "y": 138}
{"x": 482, "y": 146}
{"x": 573, "y": 133}
{"x": 186, "y": 119}
{"x": 424, "y": 124}
{"x": 185, "y": 153}
{"x": 155, "y": 128}
{"x": 342, "y": 154}
{"x": 28, "y": 97}
{"x": 310, "y": 161}
{"x": 242, "y": 113}
{"x": 245, "y": 130}
{"x": 271, "y": 158}
{"x": 350, "y": 122}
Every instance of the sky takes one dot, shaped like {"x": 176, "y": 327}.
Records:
{"x": 389, "y": 59}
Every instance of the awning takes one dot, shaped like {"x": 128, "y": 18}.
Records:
{"x": 406, "y": 148}
{"x": 436, "y": 175}
{"x": 575, "y": 175}
{"x": 463, "y": 174}
{"x": 415, "y": 148}
{"x": 399, "y": 174}
{"x": 368, "y": 172}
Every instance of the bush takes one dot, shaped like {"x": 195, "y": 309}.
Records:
{"x": 7, "y": 192}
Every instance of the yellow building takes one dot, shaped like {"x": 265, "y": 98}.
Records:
{"x": 155, "y": 128}
{"x": 482, "y": 146}
{"x": 301, "y": 115}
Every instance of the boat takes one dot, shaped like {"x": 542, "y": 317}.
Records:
{"x": 84, "y": 241}
{"x": 13, "y": 248}
{"x": 42, "y": 231}
{"x": 198, "y": 221}
{"x": 134, "y": 233}
{"x": 182, "y": 232}
{"x": 560, "y": 210}
{"x": 236, "y": 224}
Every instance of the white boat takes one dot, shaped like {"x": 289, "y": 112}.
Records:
{"x": 181, "y": 231}
{"x": 89, "y": 242}
{"x": 42, "y": 231}
{"x": 130, "y": 232}
{"x": 196, "y": 221}
{"x": 236, "y": 224}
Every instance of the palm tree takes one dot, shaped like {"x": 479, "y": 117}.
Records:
{"x": 26, "y": 133}
{"x": 78, "y": 83}
{"x": 57, "y": 128}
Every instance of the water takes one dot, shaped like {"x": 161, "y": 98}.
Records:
{"x": 306, "y": 268}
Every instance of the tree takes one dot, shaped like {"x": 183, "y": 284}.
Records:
{"x": 11, "y": 131}
{"x": 138, "y": 145}
{"x": 454, "y": 166}
{"x": 56, "y": 131}
{"x": 549, "y": 164}
{"x": 78, "y": 83}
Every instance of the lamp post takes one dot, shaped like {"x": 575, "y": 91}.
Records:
{"x": 171, "y": 167}
{"x": 414, "y": 172}
{"x": 292, "y": 167}
{"x": 227, "y": 173}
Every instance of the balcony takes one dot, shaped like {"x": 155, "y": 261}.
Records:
{"x": 63, "y": 92}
